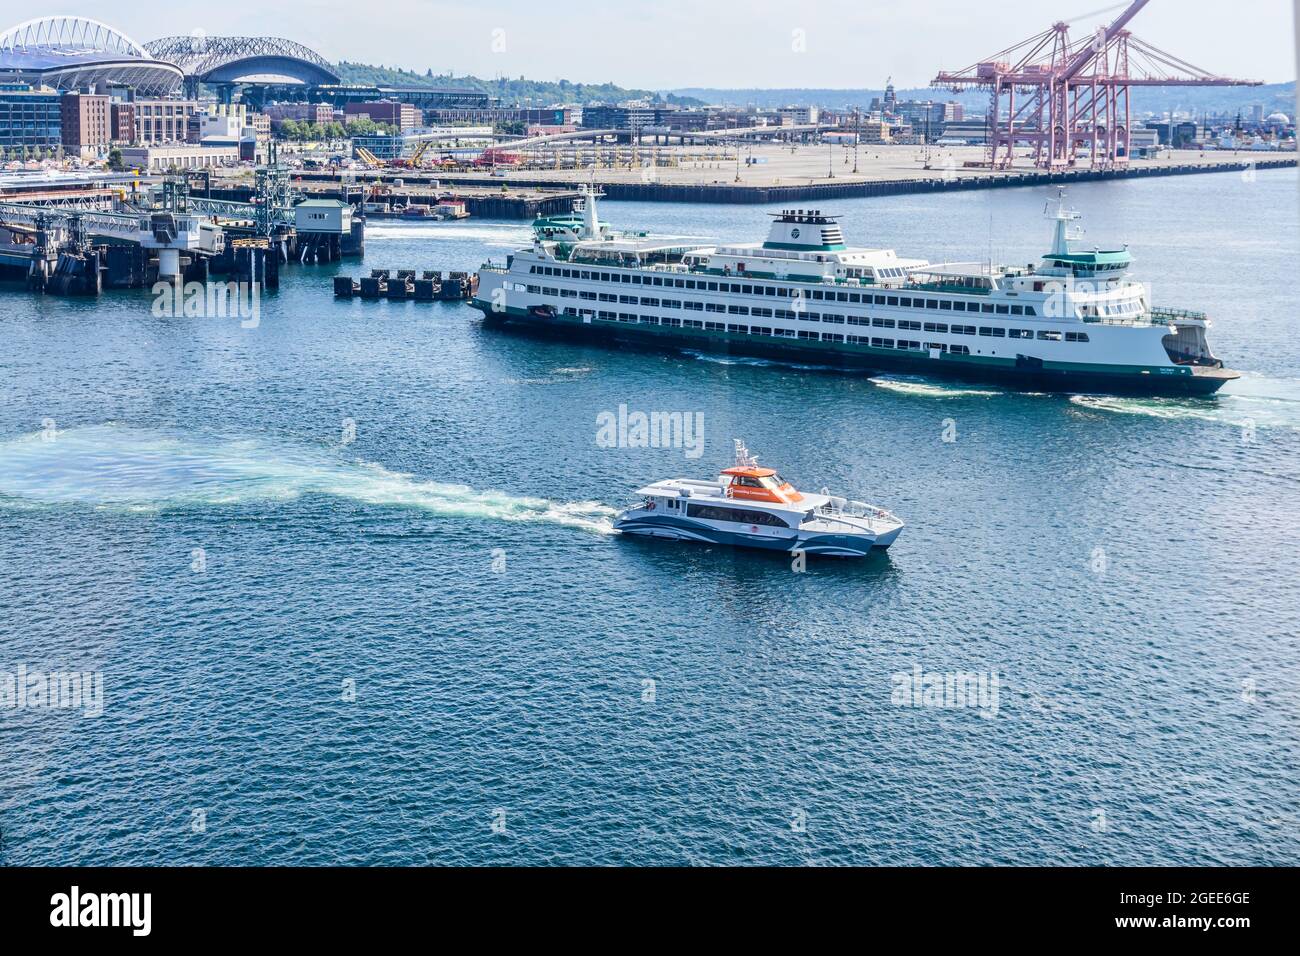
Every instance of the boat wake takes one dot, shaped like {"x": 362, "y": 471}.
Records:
{"x": 115, "y": 467}
{"x": 556, "y": 376}
{"x": 718, "y": 358}
{"x": 383, "y": 230}
{"x": 1252, "y": 400}
{"x": 930, "y": 390}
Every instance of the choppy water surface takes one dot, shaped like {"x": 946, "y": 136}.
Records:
{"x": 350, "y": 581}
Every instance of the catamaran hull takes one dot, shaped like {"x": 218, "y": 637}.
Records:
{"x": 1027, "y": 376}
{"x": 826, "y": 545}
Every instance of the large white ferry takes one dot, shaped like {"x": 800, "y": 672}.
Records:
{"x": 1076, "y": 321}
{"x": 752, "y": 507}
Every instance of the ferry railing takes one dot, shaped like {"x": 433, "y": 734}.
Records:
{"x": 854, "y": 509}
{"x": 1172, "y": 314}
{"x": 1155, "y": 317}
{"x": 952, "y": 287}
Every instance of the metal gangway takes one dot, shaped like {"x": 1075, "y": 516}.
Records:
{"x": 167, "y": 233}
{"x": 91, "y": 221}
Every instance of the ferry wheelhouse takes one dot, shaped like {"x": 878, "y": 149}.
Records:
{"x": 753, "y": 507}
{"x": 1075, "y": 321}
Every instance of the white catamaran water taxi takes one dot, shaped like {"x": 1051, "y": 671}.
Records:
{"x": 752, "y": 507}
{"x": 1076, "y": 321}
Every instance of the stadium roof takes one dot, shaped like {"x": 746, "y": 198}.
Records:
{"x": 262, "y": 60}
{"x": 71, "y": 53}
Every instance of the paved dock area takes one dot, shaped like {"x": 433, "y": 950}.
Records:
{"x": 786, "y": 166}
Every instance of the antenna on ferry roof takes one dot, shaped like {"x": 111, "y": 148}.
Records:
{"x": 743, "y": 458}
{"x": 990, "y": 241}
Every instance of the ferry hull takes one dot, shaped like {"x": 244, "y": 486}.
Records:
{"x": 1128, "y": 380}
{"x": 683, "y": 529}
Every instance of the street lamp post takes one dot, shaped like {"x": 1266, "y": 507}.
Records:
{"x": 857, "y": 136}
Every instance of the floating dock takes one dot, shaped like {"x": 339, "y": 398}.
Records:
{"x": 429, "y": 286}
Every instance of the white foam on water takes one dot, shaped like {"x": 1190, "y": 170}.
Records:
{"x": 929, "y": 390}
{"x": 558, "y": 376}
{"x": 1172, "y": 408}
{"x": 717, "y": 358}
{"x": 145, "y": 470}
{"x": 494, "y": 235}
{"x": 1251, "y": 400}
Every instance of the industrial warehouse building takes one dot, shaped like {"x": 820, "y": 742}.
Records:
{"x": 159, "y": 159}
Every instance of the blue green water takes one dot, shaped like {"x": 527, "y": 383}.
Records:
{"x": 396, "y": 641}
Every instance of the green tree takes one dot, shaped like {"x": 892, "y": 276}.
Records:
{"x": 362, "y": 127}
{"x": 115, "y": 159}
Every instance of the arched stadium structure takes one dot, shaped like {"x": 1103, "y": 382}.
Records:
{"x": 72, "y": 53}
{"x": 265, "y": 61}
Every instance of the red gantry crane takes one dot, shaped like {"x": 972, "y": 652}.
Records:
{"x": 1069, "y": 100}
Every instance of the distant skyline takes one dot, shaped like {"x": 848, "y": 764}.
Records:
{"x": 666, "y": 44}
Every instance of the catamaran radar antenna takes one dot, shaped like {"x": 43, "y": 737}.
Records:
{"x": 743, "y": 458}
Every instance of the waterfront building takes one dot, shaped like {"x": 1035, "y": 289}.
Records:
{"x": 30, "y": 117}
{"x": 159, "y": 159}
{"x": 318, "y": 113}
{"x": 323, "y": 215}
{"x": 798, "y": 115}
{"x": 162, "y": 121}
{"x": 227, "y": 121}
{"x": 538, "y": 130}
{"x": 260, "y": 124}
{"x": 874, "y": 131}
{"x": 1179, "y": 135}
{"x": 402, "y": 115}
{"x": 122, "y": 122}
{"x": 546, "y": 116}
{"x": 87, "y": 126}
{"x": 974, "y": 132}
{"x": 629, "y": 119}
{"x": 403, "y": 145}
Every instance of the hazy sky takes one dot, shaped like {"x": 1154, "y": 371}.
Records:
{"x": 661, "y": 44}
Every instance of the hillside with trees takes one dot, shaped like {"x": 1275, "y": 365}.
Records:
{"x": 521, "y": 90}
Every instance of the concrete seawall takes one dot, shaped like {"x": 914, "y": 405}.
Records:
{"x": 721, "y": 193}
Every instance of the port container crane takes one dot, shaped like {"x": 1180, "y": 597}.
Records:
{"x": 1069, "y": 99}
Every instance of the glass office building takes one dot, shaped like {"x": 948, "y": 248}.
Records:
{"x": 29, "y": 117}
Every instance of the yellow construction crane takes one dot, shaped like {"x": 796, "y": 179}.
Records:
{"x": 367, "y": 157}
{"x": 419, "y": 152}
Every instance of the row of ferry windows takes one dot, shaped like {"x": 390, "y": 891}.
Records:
{"x": 738, "y": 515}
{"x": 1043, "y": 335}
{"x": 817, "y": 295}
{"x": 802, "y": 315}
